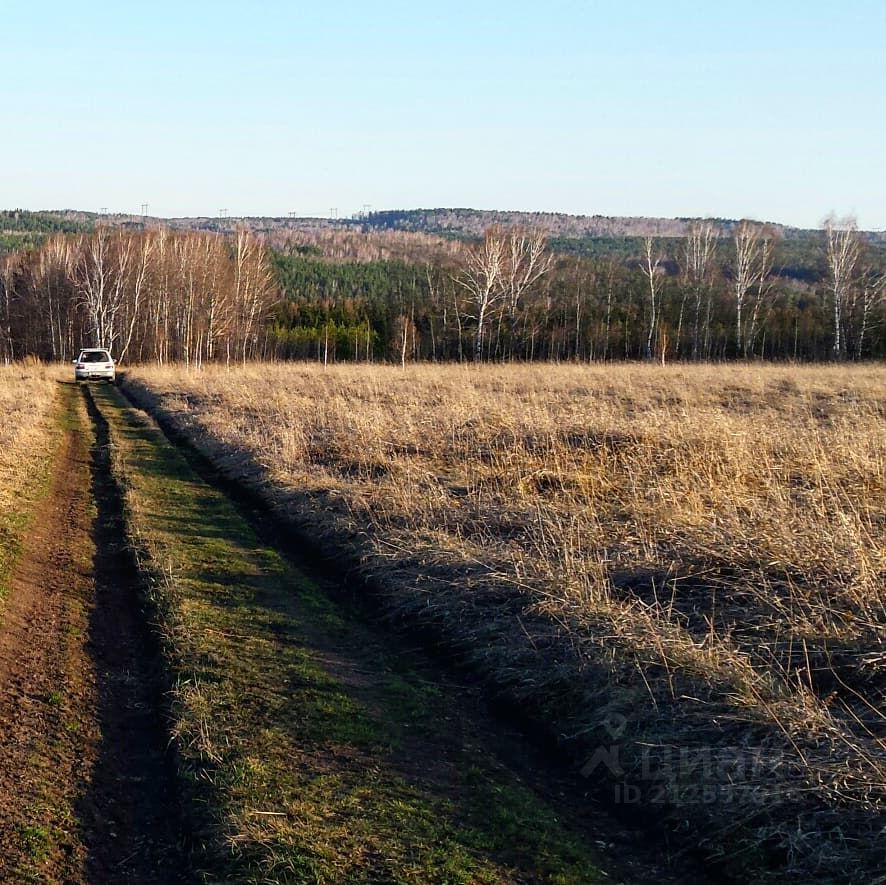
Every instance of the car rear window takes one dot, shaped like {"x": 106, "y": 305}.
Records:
{"x": 96, "y": 356}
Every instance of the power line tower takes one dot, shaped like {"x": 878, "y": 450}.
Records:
{"x": 333, "y": 212}
{"x": 103, "y": 210}
{"x": 144, "y": 210}
{"x": 222, "y": 213}
{"x": 367, "y": 208}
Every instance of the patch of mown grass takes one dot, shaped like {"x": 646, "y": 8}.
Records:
{"x": 310, "y": 750}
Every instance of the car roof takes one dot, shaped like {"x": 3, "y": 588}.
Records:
{"x": 94, "y": 350}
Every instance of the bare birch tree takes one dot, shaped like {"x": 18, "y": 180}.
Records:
{"x": 94, "y": 283}
{"x": 52, "y": 277}
{"x": 752, "y": 266}
{"x": 497, "y": 273}
{"x": 253, "y": 288}
{"x": 527, "y": 261}
{"x": 652, "y": 270}
{"x": 843, "y": 248}
{"x": 698, "y": 253}
{"x": 142, "y": 248}
{"x": 744, "y": 238}
{"x": 762, "y": 289}
{"x": 481, "y": 278}
{"x": 7, "y": 288}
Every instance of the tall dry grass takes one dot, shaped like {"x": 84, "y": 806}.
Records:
{"x": 699, "y": 550}
{"x": 27, "y": 401}
{"x": 27, "y": 396}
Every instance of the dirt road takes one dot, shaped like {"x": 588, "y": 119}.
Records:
{"x": 83, "y": 777}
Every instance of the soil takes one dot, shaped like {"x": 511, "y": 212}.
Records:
{"x": 84, "y": 780}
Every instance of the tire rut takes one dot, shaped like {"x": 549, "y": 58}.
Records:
{"x": 131, "y": 811}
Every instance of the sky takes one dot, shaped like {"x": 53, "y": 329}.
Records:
{"x": 769, "y": 110}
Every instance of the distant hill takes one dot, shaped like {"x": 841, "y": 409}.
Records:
{"x": 558, "y": 225}
{"x": 472, "y": 222}
{"x": 414, "y": 234}
{"x": 456, "y": 223}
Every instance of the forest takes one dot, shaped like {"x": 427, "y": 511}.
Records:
{"x": 509, "y": 295}
{"x": 721, "y": 291}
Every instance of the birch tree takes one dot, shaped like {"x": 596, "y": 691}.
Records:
{"x": 7, "y": 290}
{"x": 762, "y": 289}
{"x": 698, "y": 253}
{"x": 94, "y": 284}
{"x": 752, "y": 266}
{"x": 481, "y": 278}
{"x": 142, "y": 248}
{"x": 52, "y": 278}
{"x": 253, "y": 288}
{"x": 526, "y": 261}
{"x": 496, "y": 274}
{"x": 843, "y": 249}
{"x": 652, "y": 270}
{"x": 744, "y": 238}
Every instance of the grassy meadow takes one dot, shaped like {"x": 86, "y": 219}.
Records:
{"x": 679, "y": 566}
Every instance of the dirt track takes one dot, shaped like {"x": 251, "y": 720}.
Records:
{"x": 83, "y": 780}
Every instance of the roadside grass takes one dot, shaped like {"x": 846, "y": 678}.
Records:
{"x": 682, "y": 565}
{"x": 308, "y": 749}
{"x": 29, "y": 434}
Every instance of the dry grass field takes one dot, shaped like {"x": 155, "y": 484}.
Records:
{"x": 679, "y": 570}
{"x": 27, "y": 441}
{"x": 27, "y": 396}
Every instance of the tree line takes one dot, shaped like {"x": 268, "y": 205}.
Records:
{"x": 716, "y": 293}
{"x": 506, "y": 296}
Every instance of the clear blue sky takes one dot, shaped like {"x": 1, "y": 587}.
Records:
{"x": 773, "y": 110}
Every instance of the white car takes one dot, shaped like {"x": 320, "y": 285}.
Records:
{"x": 94, "y": 364}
